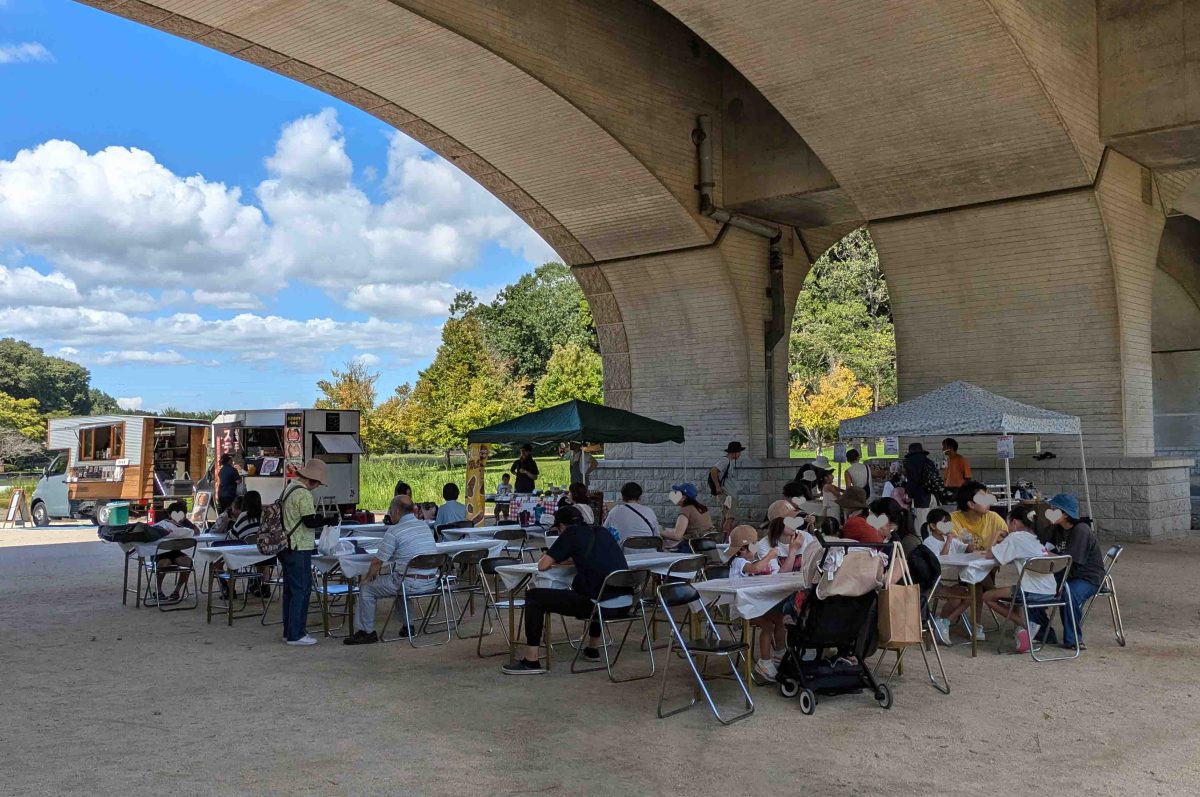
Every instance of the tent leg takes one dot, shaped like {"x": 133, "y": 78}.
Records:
{"x": 1087, "y": 490}
{"x": 1008, "y": 486}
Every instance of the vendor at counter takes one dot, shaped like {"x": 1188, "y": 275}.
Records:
{"x": 228, "y": 480}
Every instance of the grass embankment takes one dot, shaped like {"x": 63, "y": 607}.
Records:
{"x": 426, "y": 474}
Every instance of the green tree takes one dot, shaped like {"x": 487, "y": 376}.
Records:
{"x": 573, "y": 372}
{"x": 191, "y": 415}
{"x": 465, "y": 387}
{"x": 352, "y": 389}
{"x": 60, "y": 386}
{"x": 817, "y": 413}
{"x": 389, "y": 422}
{"x": 533, "y": 315}
{"x": 843, "y": 316}
{"x": 22, "y": 415}
{"x": 100, "y": 403}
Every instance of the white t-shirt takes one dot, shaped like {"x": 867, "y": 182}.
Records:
{"x": 860, "y": 475}
{"x": 727, "y": 474}
{"x": 739, "y": 564}
{"x": 1018, "y": 547}
{"x": 935, "y": 545}
{"x": 586, "y": 510}
{"x": 764, "y": 545}
{"x": 632, "y": 520}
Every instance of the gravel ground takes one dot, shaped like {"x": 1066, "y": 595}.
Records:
{"x": 100, "y": 698}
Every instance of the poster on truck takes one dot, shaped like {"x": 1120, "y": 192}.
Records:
{"x": 293, "y": 433}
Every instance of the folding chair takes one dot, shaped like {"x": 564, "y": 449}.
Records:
{"x": 1108, "y": 590}
{"x": 682, "y": 571}
{"x": 438, "y": 597}
{"x": 230, "y": 579}
{"x": 648, "y": 543}
{"x": 706, "y": 547}
{"x": 493, "y": 605}
{"x": 458, "y": 524}
{"x": 464, "y": 579}
{"x": 634, "y": 581}
{"x": 928, "y": 638}
{"x": 1056, "y": 566}
{"x": 712, "y": 645}
{"x": 510, "y": 536}
{"x": 329, "y": 594}
{"x": 152, "y": 568}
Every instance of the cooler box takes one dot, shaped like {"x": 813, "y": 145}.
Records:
{"x": 118, "y": 513}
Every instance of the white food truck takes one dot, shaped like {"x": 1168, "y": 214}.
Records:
{"x": 265, "y": 443}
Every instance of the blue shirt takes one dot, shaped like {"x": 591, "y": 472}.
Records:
{"x": 450, "y": 512}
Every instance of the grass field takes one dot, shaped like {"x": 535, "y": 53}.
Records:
{"x": 426, "y": 474}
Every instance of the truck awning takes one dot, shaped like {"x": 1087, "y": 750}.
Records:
{"x": 338, "y": 443}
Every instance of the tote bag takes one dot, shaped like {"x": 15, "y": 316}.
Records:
{"x": 899, "y": 606}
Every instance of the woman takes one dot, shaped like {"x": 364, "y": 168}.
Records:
{"x": 578, "y": 493}
{"x": 300, "y": 520}
{"x": 694, "y": 519}
{"x": 1073, "y": 535}
{"x": 830, "y": 492}
{"x": 177, "y": 526}
{"x": 854, "y": 502}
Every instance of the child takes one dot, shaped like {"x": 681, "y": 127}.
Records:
{"x": 1018, "y": 545}
{"x": 938, "y": 532}
{"x": 504, "y": 493}
{"x": 744, "y": 563}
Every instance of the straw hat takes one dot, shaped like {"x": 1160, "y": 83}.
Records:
{"x": 853, "y": 498}
{"x": 739, "y": 538}
{"x": 314, "y": 470}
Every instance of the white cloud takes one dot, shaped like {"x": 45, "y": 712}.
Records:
{"x": 142, "y": 357}
{"x": 26, "y": 286}
{"x": 290, "y": 405}
{"x": 367, "y": 360}
{"x": 228, "y": 300}
{"x": 384, "y": 300}
{"x": 25, "y": 52}
{"x": 130, "y": 402}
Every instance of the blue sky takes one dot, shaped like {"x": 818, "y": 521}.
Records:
{"x": 203, "y": 233}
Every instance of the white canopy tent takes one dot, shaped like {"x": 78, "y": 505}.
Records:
{"x": 961, "y": 408}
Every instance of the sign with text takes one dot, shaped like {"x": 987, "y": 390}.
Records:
{"x": 891, "y": 446}
{"x": 1005, "y": 449}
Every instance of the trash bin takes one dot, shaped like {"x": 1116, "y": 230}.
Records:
{"x": 116, "y": 513}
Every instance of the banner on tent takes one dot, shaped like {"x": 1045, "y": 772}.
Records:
{"x": 1005, "y": 449}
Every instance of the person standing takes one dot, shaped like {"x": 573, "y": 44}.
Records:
{"x": 722, "y": 480}
{"x": 228, "y": 480}
{"x": 958, "y": 469}
{"x": 583, "y": 464}
{"x": 526, "y": 471}
{"x": 300, "y": 519}
{"x": 919, "y": 475}
{"x": 858, "y": 475}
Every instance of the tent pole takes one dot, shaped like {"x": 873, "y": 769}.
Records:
{"x": 1087, "y": 490}
{"x": 1008, "y": 486}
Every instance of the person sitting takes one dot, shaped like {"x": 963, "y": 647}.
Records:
{"x": 1018, "y": 545}
{"x": 744, "y": 562}
{"x": 938, "y": 532}
{"x": 409, "y": 536}
{"x": 898, "y": 528}
{"x": 694, "y": 518}
{"x": 977, "y": 525}
{"x": 785, "y": 525}
{"x": 452, "y": 511}
{"x": 854, "y": 502}
{"x": 1073, "y": 535}
{"x": 577, "y": 494}
{"x": 595, "y": 553}
{"x": 882, "y": 519}
{"x": 894, "y": 488}
{"x": 629, "y": 518}
{"x": 504, "y": 494}
{"x": 248, "y": 517}
{"x": 402, "y": 488}
{"x": 177, "y": 525}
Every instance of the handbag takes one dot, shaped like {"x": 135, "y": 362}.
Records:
{"x": 899, "y": 606}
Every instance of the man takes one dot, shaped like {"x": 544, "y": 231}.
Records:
{"x": 228, "y": 480}
{"x": 857, "y": 475}
{"x": 958, "y": 469}
{"x": 409, "y": 537}
{"x": 919, "y": 474}
{"x": 722, "y": 480}
{"x": 629, "y": 518}
{"x": 594, "y": 553}
{"x": 299, "y": 519}
{"x": 451, "y": 510}
{"x": 583, "y": 464}
{"x": 526, "y": 471}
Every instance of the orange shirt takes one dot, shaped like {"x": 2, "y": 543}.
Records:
{"x": 958, "y": 470}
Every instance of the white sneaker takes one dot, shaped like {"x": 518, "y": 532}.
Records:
{"x": 304, "y": 640}
{"x": 979, "y": 635}
{"x": 941, "y": 627}
{"x": 766, "y": 670}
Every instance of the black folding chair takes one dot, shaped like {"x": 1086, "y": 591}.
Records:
{"x": 184, "y": 546}
{"x": 648, "y": 543}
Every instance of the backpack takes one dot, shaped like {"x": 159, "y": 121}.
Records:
{"x": 713, "y": 487}
{"x": 271, "y": 537}
{"x": 931, "y": 480}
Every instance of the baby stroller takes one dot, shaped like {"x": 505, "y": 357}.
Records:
{"x": 847, "y": 623}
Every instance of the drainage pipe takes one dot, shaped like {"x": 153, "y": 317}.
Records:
{"x": 774, "y": 325}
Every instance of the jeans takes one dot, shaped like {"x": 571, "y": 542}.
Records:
{"x": 1081, "y": 591}
{"x": 297, "y": 589}
{"x": 540, "y": 602}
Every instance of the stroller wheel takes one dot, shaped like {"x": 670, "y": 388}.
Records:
{"x": 788, "y": 687}
{"x": 808, "y": 701}
{"x": 883, "y": 696}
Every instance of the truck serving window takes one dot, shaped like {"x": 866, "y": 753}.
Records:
{"x": 335, "y": 449}
{"x": 102, "y": 443}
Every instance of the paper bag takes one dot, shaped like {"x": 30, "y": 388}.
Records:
{"x": 899, "y": 607}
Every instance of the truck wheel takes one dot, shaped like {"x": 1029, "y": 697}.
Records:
{"x": 41, "y": 517}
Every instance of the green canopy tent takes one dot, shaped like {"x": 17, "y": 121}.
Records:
{"x": 579, "y": 422}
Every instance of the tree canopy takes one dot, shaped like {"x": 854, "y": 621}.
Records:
{"x": 573, "y": 372}
{"x": 60, "y": 386}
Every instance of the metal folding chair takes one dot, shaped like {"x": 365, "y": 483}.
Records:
{"x": 928, "y": 639}
{"x": 706, "y": 547}
{"x": 510, "y": 536}
{"x": 465, "y": 579}
{"x": 630, "y": 583}
{"x": 152, "y": 568}
{"x": 648, "y": 543}
{"x": 438, "y": 597}
{"x": 493, "y": 605}
{"x": 458, "y": 524}
{"x": 682, "y": 571}
{"x": 1108, "y": 591}
{"x": 227, "y": 603}
{"x": 1056, "y": 566}
{"x": 711, "y": 645}
{"x": 333, "y": 590}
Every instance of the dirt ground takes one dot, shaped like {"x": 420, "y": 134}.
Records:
{"x": 104, "y": 699}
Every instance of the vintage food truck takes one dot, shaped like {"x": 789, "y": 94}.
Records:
{"x": 265, "y": 443}
{"x": 142, "y": 460}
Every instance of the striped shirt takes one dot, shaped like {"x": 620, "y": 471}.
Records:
{"x": 243, "y": 527}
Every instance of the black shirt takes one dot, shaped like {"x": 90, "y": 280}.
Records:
{"x": 1087, "y": 560}
{"x": 524, "y": 483}
{"x": 229, "y": 479}
{"x": 595, "y": 553}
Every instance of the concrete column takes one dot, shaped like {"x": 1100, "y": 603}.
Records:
{"x": 682, "y": 337}
{"x": 1046, "y": 300}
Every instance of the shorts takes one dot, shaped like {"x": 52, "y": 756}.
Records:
{"x": 171, "y": 557}
{"x": 1018, "y": 595}
{"x": 729, "y": 513}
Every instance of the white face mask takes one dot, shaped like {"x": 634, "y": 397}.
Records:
{"x": 797, "y": 502}
{"x": 793, "y": 523}
{"x": 809, "y": 476}
{"x": 1054, "y": 515}
{"x": 877, "y": 522}
{"x": 676, "y": 497}
{"x": 177, "y": 516}
{"x": 985, "y": 500}
{"x": 945, "y": 527}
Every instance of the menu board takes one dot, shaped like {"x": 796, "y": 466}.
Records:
{"x": 293, "y": 439}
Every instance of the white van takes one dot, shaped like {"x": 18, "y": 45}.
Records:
{"x": 49, "y": 498}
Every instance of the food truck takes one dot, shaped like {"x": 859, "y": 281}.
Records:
{"x": 264, "y": 444}
{"x": 143, "y": 460}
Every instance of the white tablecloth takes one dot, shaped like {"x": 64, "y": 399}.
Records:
{"x": 969, "y": 568}
{"x": 751, "y": 596}
{"x": 236, "y": 556}
{"x": 363, "y": 529}
{"x": 560, "y": 577}
{"x": 356, "y": 564}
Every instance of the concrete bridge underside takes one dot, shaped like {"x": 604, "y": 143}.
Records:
{"x": 1017, "y": 163}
